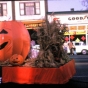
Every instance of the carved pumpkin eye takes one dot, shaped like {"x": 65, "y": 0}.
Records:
{"x": 5, "y": 43}
{"x": 3, "y": 32}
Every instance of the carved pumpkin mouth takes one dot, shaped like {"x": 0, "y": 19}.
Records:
{"x": 15, "y": 61}
{"x": 3, "y": 45}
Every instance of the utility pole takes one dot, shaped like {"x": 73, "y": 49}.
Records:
{"x": 46, "y": 9}
{"x": 13, "y": 10}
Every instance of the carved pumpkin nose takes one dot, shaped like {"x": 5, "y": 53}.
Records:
{"x": 16, "y": 58}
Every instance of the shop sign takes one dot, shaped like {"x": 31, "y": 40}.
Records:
{"x": 80, "y": 32}
{"x": 75, "y": 32}
{"x": 70, "y": 19}
{"x": 78, "y": 17}
{"x": 32, "y": 25}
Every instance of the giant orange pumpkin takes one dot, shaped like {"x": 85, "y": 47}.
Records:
{"x": 14, "y": 39}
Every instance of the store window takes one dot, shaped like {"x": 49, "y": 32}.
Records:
{"x": 3, "y": 9}
{"x": 73, "y": 27}
{"x": 81, "y": 27}
{"x": 29, "y": 8}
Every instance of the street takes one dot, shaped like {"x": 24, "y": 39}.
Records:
{"x": 81, "y": 62}
{"x": 80, "y": 79}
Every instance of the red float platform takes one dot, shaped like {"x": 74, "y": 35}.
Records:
{"x": 29, "y": 75}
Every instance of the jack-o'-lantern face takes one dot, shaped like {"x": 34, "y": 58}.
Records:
{"x": 16, "y": 60}
{"x": 5, "y": 43}
{"x": 14, "y": 39}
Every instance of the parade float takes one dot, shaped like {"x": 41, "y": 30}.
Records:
{"x": 52, "y": 65}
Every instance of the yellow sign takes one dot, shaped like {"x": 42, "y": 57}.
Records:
{"x": 75, "y": 32}
{"x": 33, "y": 23}
{"x": 69, "y": 33}
{"x": 80, "y": 32}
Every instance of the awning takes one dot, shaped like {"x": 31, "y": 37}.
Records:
{"x": 33, "y": 24}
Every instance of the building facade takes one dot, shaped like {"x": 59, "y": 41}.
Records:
{"x": 30, "y": 12}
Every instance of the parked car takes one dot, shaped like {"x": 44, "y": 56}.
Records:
{"x": 81, "y": 48}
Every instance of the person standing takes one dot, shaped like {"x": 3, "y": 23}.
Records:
{"x": 74, "y": 50}
{"x": 65, "y": 46}
{"x": 70, "y": 44}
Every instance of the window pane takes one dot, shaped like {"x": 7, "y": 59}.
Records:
{"x": 29, "y": 10}
{"x": 37, "y": 5}
{"x": 29, "y": 4}
{"x": 0, "y": 11}
{"x": 73, "y": 27}
{"x": 4, "y": 12}
{"x": 22, "y": 12}
{"x": 37, "y": 11}
{"x": 81, "y": 27}
{"x": 4, "y": 7}
{"x": 21, "y": 5}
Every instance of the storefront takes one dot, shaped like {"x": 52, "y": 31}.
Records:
{"x": 32, "y": 26}
{"x": 77, "y": 26}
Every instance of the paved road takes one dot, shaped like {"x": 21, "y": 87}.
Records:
{"x": 80, "y": 79}
{"x": 79, "y": 58}
{"x": 81, "y": 62}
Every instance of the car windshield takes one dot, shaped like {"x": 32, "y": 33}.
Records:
{"x": 77, "y": 43}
